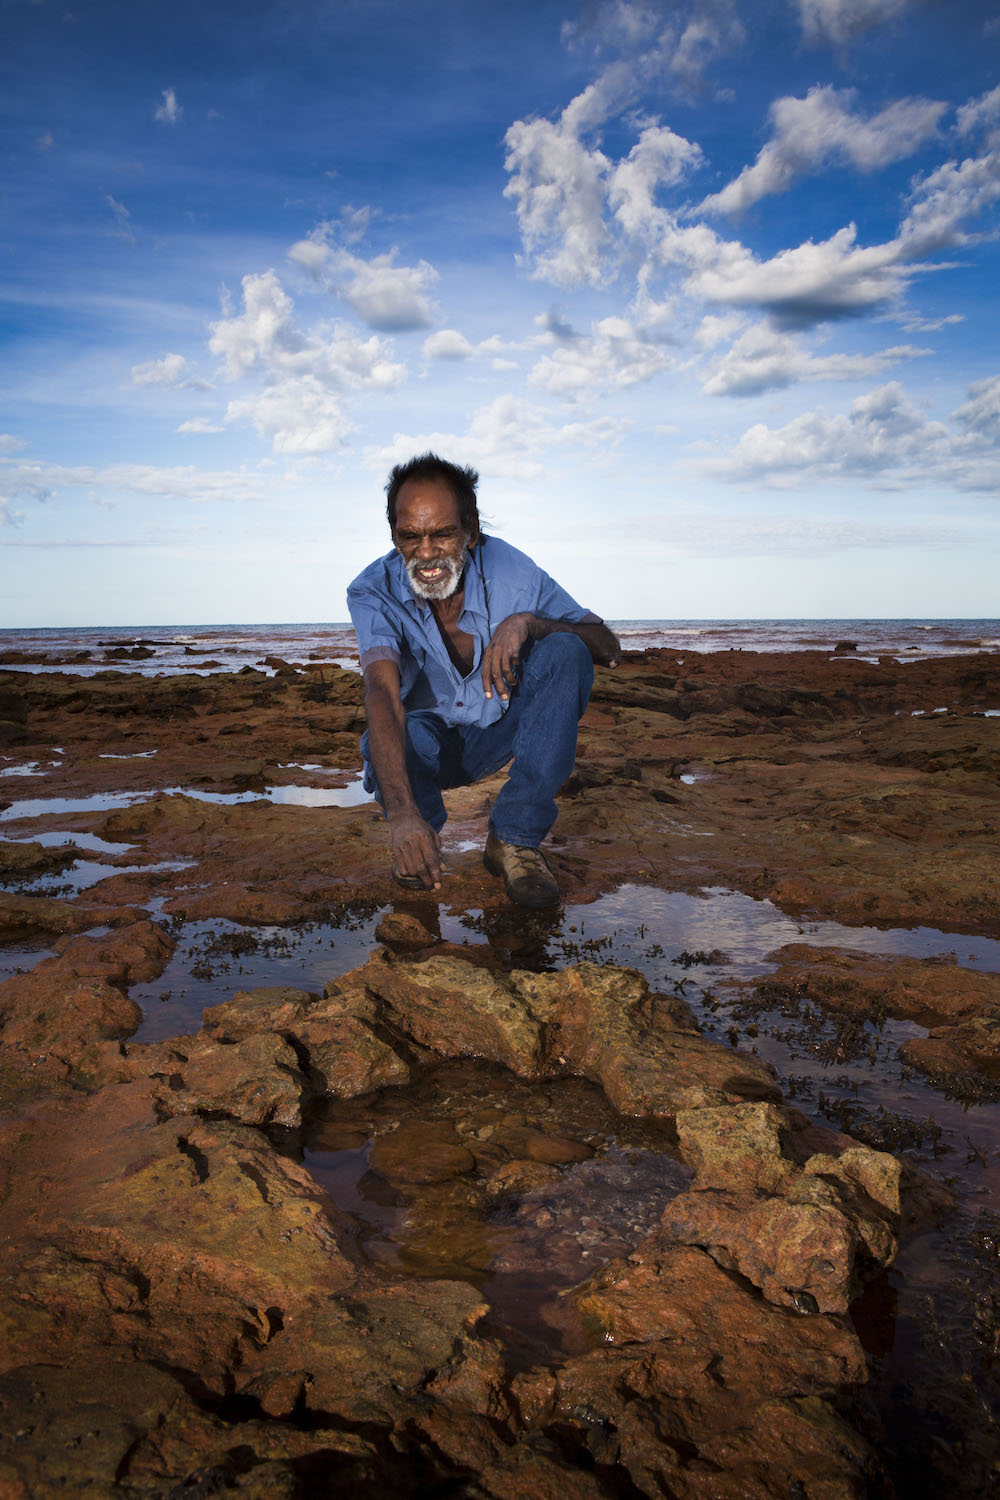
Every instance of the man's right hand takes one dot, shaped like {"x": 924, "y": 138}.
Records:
{"x": 416, "y": 848}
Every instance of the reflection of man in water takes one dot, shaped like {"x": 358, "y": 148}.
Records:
{"x": 472, "y": 655}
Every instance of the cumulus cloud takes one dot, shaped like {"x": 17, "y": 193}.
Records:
{"x": 823, "y": 129}
{"x": 307, "y": 370}
{"x": 979, "y": 114}
{"x": 169, "y": 112}
{"x": 384, "y": 295}
{"x": 11, "y": 444}
{"x": 561, "y": 186}
{"x": 675, "y": 50}
{"x": 764, "y": 359}
{"x": 882, "y": 438}
{"x": 265, "y": 334}
{"x": 839, "y": 21}
{"x": 298, "y": 415}
{"x": 506, "y": 438}
{"x": 809, "y": 283}
{"x": 448, "y": 343}
{"x": 944, "y": 200}
{"x": 613, "y": 357}
{"x": 981, "y": 413}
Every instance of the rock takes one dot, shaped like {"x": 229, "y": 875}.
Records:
{"x": 736, "y": 1146}
{"x": 19, "y": 912}
{"x": 256, "y": 1080}
{"x": 415, "y": 1154}
{"x": 603, "y": 1023}
{"x": 403, "y": 930}
{"x": 711, "y": 1367}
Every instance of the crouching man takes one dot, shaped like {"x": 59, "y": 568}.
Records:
{"x": 472, "y": 655}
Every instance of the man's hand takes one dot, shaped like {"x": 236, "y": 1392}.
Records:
{"x": 416, "y": 848}
{"x": 503, "y": 655}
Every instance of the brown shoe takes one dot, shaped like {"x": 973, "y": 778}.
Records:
{"x": 525, "y": 871}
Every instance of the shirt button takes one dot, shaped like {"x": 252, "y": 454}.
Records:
{"x": 458, "y": 703}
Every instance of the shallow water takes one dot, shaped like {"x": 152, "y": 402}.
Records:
{"x": 351, "y": 795}
{"x": 416, "y": 1168}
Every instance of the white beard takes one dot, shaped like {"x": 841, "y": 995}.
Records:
{"x": 445, "y": 586}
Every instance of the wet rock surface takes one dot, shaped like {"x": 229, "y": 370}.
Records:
{"x": 479, "y": 1211}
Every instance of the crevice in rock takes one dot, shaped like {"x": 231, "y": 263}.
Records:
{"x": 196, "y": 1156}
{"x": 256, "y": 1176}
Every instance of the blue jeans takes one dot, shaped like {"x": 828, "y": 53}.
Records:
{"x": 538, "y": 729}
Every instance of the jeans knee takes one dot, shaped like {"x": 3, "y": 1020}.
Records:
{"x": 565, "y": 650}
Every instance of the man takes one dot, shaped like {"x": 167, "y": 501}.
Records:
{"x": 471, "y": 655}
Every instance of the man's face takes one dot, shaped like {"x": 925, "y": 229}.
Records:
{"x": 429, "y": 537}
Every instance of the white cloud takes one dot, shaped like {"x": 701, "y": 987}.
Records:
{"x": 658, "y": 159}
{"x": 383, "y": 294}
{"x": 45, "y": 142}
{"x": 557, "y": 185}
{"x": 169, "y": 112}
{"x": 762, "y": 359}
{"x": 807, "y": 284}
{"x": 712, "y": 29}
{"x": 614, "y": 357}
{"x": 265, "y": 335}
{"x": 838, "y": 21}
{"x": 11, "y": 444}
{"x": 171, "y": 370}
{"x": 198, "y": 424}
{"x": 299, "y": 415}
{"x": 945, "y": 199}
{"x": 713, "y": 330}
{"x": 505, "y": 438}
{"x": 562, "y": 187}
{"x": 448, "y": 343}
{"x": 979, "y": 113}
{"x": 43, "y": 481}
{"x": 822, "y": 129}
{"x": 306, "y": 370}
{"x": 981, "y": 413}
{"x": 882, "y": 438}
{"x": 677, "y": 52}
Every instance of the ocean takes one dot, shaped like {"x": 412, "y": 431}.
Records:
{"x": 213, "y": 648}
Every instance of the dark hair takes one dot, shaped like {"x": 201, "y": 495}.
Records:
{"x": 461, "y": 481}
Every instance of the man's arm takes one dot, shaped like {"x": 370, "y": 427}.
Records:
{"x": 503, "y": 654}
{"x": 416, "y": 848}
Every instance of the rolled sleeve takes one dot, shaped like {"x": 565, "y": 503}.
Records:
{"x": 378, "y": 637}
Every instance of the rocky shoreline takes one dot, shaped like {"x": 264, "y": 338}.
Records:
{"x": 456, "y": 1219}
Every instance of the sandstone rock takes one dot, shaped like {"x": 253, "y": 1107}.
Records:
{"x": 419, "y": 1154}
{"x": 403, "y": 930}
{"x": 736, "y": 1146}
{"x": 256, "y": 1080}
{"x": 604, "y": 1023}
{"x": 345, "y": 1058}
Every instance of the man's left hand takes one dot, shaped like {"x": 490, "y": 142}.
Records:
{"x": 502, "y": 656}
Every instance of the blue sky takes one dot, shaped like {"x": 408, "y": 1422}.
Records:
{"x": 707, "y": 290}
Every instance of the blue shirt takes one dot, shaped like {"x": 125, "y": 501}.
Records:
{"x": 393, "y": 624}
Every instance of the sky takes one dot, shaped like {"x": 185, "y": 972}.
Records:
{"x": 707, "y": 290}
